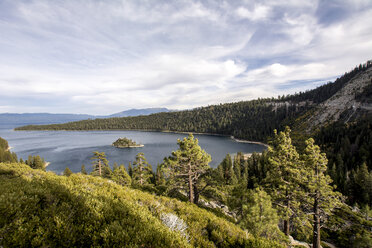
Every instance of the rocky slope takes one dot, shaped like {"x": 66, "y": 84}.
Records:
{"x": 342, "y": 106}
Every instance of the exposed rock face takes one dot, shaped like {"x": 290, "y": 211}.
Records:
{"x": 342, "y": 102}
{"x": 298, "y": 243}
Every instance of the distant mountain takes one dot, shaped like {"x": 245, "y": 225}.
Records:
{"x": 137, "y": 112}
{"x": 12, "y": 119}
{"x": 15, "y": 120}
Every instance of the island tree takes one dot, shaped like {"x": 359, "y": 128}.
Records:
{"x": 187, "y": 165}
{"x": 142, "y": 170}
{"x": 125, "y": 143}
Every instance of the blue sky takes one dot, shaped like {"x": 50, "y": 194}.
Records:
{"x": 102, "y": 57}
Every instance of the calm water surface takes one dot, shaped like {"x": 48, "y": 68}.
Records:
{"x": 74, "y": 148}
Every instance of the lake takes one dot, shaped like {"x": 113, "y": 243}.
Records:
{"x": 74, "y": 148}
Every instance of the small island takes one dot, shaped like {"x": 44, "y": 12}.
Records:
{"x": 125, "y": 143}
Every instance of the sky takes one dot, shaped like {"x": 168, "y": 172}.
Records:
{"x": 102, "y": 57}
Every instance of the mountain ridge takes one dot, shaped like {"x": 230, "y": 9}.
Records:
{"x": 136, "y": 112}
{"x": 55, "y": 118}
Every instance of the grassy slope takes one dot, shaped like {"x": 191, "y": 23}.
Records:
{"x": 42, "y": 209}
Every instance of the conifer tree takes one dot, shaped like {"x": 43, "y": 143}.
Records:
{"x": 130, "y": 169}
{"x": 283, "y": 180}
{"x": 240, "y": 195}
{"x": 67, "y": 172}
{"x": 322, "y": 196}
{"x": 227, "y": 169}
{"x": 100, "y": 164}
{"x": 30, "y": 161}
{"x": 120, "y": 176}
{"x": 159, "y": 176}
{"x": 237, "y": 165}
{"x": 233, "y": 179}
{"x": 142, "y": 170}
{"x": 259, "y": 217}
{"x": 363, "y": 185}
{"x": 219, "y": 174}
{"x": 83, "y": 170}
{"x": 115, "y": 166}
{"x": 38, "y": 163}
{"x": 188, "y": 164}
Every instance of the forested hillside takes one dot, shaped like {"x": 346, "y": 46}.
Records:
{"x": 253, "y": 120}
{"x": 259, "y": 201}
{"x": 349, "y": 150}
{"x": 5, "y": 154}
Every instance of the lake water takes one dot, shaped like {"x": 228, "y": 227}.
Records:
{"x": 74, "y": 148}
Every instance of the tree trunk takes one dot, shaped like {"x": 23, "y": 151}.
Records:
{"x": 196, "y": 194}
{"x": 286, "y": 221}
{"x": 191, "y": 188}
{"x": 286, "y": 227}
{"x": 99, "y": 167}
{"x": 316, "y": 230}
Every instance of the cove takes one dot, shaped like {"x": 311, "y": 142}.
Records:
{"x": 74, "y": 148}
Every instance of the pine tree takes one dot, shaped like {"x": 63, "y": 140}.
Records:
{"x": 83, "y": 170}
{"x": 322, "y": 196}
{"x": 219, "y": 174}
{"x": 38, "y": 163}
{"x": 130, "y": 170}
{"x": 120, "y": 176}
{"x": 233, "y": 179}
{"x": 227, "y": 169}
{"x": 30, "y": 161}
{"x": 240, "y": 196}
{"x": 160, "y": 179}
{"x": 283, "y": 178}
{"x": 100, "y": 164}
{"x": 142, "y": 170}
{"x": 67, "y": 172}
{"x": 362, "y": 184}
{"x": 237, "y": 165}
{"x": 259, "y": 217}
{"x": 188, "y": 164}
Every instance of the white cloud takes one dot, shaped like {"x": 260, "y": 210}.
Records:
{"x": 258, "y": 13}
{"x": 100, "y": 57}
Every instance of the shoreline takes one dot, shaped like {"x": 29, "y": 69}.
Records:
{"x": 128, "y": 146}
{"x": 248, "y": 141}
{"x": 221, "y": 135}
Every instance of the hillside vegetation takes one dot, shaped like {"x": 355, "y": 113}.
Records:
{"x": 253, "y": 120}
{"x": 5, "y": 153}
{"x": 39, "y": 208}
